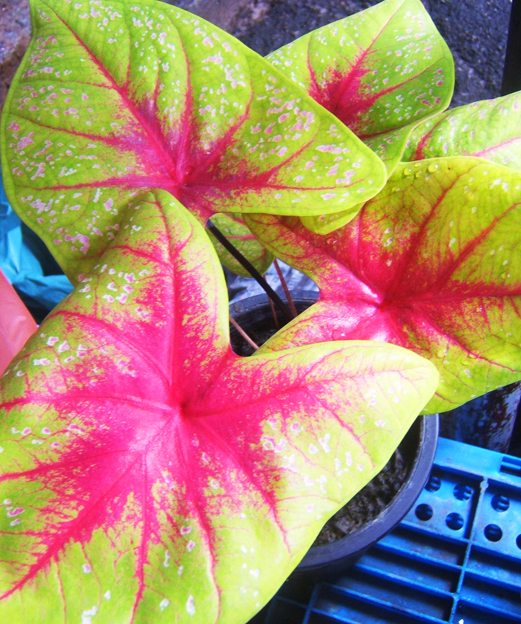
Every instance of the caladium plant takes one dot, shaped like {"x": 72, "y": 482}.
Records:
{"x": 148, "y": 473}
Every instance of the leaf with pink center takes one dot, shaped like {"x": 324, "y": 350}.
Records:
{"x": 489, "y": 129}
{"x": 232, "y": 226}
{"x": 147, "y": 473}
{"x": 380, "y": 71}
{"x": 115, "y": 98}
{"x": 432, "y": 263}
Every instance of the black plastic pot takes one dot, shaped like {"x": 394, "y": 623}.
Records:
{"x": 418, "y": 449}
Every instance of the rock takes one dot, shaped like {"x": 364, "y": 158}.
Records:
{"x": 15, "y": 33}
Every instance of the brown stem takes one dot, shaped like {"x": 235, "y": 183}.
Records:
{"x": 243, "y": 333}
{"x": 273, "y": 312}
{"x": 289, "y": 298}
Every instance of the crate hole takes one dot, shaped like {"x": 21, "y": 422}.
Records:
{"x": 493, "y": 533}
{"x": 518, "y": 542}
{"x": 434, "y": 484}
{"x": 424, "y": 512}
{"x": 454, "y": 521}
{"x": 463, "y": 492}
{"x": 500, "y": 503}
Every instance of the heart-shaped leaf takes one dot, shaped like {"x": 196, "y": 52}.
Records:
{"x": 149, "y": 474}
{"x": 432, "y": 263}
{"x": 490, "y": 129}
{"x": 239, "y": 235}
{"x": 380, "y": 71}
{"x": 115, "y": 96}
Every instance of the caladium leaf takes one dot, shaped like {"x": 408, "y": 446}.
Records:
{"x": 115, "y": 96}
{"x": 432, "y": 263}
{"x": 149, "y": 474}
{"x": 489, "y": 129}
{"x": 380, "y": 71}
{"x": 240, "y": 236}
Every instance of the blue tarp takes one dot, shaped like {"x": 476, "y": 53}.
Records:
{"x": 28, "y": 264}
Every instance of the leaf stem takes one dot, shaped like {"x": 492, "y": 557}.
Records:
{"x": 250, "y": 268}
{"x": 289, "y": 298}
{"x": 243, "y": 333}
{"x": 273, "y": 311}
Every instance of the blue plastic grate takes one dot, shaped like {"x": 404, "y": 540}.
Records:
{"x": 455, "y": 558}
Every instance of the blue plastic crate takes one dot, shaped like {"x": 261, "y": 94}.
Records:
{"x": 455, "y": 558}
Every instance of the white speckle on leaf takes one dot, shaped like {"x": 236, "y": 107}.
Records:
{"x": 190, "y": 606}
{"x": 164, "y": 604}
{"x": 86, "y": 568}
{"x": 107, "y": 595}
{"x": 86, "y": 616}
{"x": 324, "y": 443}
{"x": 41, "y": 362}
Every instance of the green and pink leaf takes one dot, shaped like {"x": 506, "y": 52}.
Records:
{"x": 147, "y": 473}
{"x": 432, "y": 263}
{"x": 380, "y": 71}
{"x": 116, "y": 98}
{"x": 489, "y": 129}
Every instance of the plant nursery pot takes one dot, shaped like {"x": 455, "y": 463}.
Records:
{"x": 416, "y": 451}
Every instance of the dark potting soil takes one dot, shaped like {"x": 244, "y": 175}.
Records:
{"x": 374, "y": 497}
{"x": 368, "y": 504}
